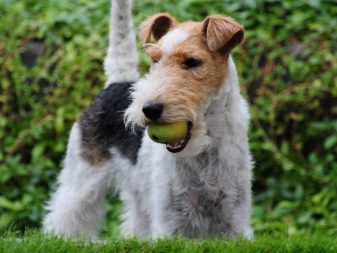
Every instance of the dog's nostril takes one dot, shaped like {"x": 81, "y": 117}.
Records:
{"x": 153, "y": 110}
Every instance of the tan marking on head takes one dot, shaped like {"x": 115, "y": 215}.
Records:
{"x": 184, "y": 89}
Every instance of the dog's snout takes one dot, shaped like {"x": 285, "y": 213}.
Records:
{"x": 153, "y": 110}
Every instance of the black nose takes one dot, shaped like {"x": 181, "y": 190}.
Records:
{"x": 153, "y": 110}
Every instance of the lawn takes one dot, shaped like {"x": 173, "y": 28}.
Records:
{"x": 34, "y": 242}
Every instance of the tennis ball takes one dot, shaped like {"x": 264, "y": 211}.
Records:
{"x": 167, "y": 132}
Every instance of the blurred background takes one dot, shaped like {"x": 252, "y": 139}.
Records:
{"x": 51, "y": 55}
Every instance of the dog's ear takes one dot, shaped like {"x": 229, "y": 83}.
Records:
{"x": 157, "y": 26}
{"x": 222, "y": 33}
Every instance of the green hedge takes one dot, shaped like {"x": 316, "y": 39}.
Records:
{"x": 288, "y": 73}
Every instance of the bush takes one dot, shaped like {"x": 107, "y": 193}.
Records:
{"x": 51, "y": 56}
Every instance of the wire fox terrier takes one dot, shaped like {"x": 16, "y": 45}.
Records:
{"x": 197, "y": 187}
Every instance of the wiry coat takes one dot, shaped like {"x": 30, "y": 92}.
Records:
{"x": 203, "y": 192}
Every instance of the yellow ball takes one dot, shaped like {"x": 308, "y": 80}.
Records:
{"x": 167, "y": 132}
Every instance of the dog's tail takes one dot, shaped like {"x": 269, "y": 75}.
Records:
{"x": 121, "y": 62}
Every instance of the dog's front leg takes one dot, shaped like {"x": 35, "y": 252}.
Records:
{"x": 76, "y": 208}
{"x": 162, "y": 223}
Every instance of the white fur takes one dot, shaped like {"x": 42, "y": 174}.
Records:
{"x": 76, "y": 208}
{"x": 145, "y": 89}
{"x": 122, "y": 41}
{"x": 173, "y": 38}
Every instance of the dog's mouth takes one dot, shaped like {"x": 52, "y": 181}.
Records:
{"x": 175, "y": 135}
{"x": 178, "y": 146}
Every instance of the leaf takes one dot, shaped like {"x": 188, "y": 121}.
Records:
{"x": 330, "y": 142}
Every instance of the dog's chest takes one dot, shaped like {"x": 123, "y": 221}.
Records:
{"x": 198, "y": 186}
{"x": 203, "y": 200}
{"x": 201, "y": 196}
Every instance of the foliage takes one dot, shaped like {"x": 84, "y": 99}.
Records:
{"x": 34, "y": 242}
{"x": 51, "y": 56}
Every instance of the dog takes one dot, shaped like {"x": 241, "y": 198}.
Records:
{"x": 197, "y": 187}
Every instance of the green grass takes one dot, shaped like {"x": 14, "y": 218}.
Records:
{"x": 35, "y": 242}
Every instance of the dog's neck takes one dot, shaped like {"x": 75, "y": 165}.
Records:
{"x": 220, "y": 110}
{"x": 221, "y": 118}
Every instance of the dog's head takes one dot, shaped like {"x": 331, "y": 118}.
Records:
{"x": 189, "y": 67}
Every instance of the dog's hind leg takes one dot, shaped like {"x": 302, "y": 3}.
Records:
{"x": 76, "y": 208}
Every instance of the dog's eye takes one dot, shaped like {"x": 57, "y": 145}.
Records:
{"x": 191, "y": 63}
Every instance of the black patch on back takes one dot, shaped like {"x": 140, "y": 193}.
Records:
{"x": 102, "y": 125}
